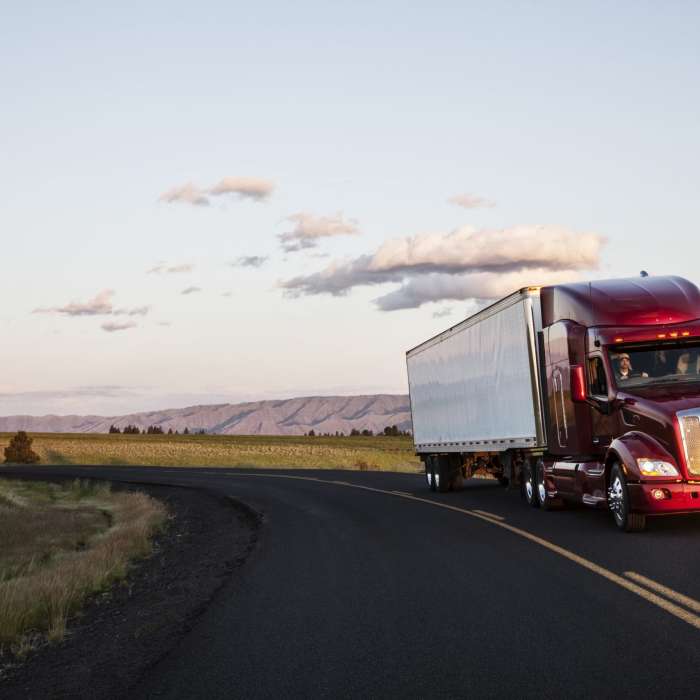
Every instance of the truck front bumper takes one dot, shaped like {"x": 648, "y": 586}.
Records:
{"x": 678, "y": 498}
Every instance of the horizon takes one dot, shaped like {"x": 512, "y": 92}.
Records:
{"x": 208, "y": 205}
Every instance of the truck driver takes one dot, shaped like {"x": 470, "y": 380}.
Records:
{"x": 624, "y": 368}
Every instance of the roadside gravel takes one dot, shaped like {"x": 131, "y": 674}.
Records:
{"x": 123, "y": 632}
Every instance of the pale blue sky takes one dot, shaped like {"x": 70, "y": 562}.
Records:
{"x": 579, "y": 115}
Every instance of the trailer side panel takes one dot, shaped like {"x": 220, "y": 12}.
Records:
{"x": 472, "y": 387}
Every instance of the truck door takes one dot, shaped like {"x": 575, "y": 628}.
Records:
{"x": 569, "y": 422}
{"x": 602, "y": 425}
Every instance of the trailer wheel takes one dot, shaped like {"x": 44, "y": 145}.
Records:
{"x": 430, "y": 472}
{"x": 442, "y": 474}
{"x": 529, "y": 487}
{"x": 545, "y": 501}
{"x": 619, "y": 503}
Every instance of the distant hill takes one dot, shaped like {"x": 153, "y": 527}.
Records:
{"x": 322, "y": 414}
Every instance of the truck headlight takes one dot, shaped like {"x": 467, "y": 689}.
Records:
{"x": 656, "y": 467}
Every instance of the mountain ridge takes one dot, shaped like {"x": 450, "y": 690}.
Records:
{"x": 295, "y": 416}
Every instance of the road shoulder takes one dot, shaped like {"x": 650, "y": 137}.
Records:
{"x": 122, "y": 633}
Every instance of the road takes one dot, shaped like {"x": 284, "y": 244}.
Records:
{"x": 367, "y": 585}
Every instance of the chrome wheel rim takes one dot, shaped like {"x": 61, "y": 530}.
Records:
{"x": 528, "y": 489}
{"x": 542, "y": 492}
{"x": 437, "y": 480}
{"x": 616, "y": 498}
{"x": 427, "y": 477}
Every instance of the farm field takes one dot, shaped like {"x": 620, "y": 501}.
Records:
{"x": 379, "y": 453}
{"x": 61, "y": 543}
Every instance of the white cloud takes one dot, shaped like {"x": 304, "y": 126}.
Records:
{"x": 243, "y": 187}
{"x": 442, "y": 313}
{"x": 247, "y": 187}
{"x": 308, "y": 228}
{"x": 469, "y": 249}
{"x": 163, "y": 268}
{"x": 249, "y": 261}
{"x": 480, "y": 286}
{"x": 463, "y": 264}
{"x": 187, "y": 194}
{"x": 112, "y": 326}
{"x": 100, "y": 305}
{"x": 471, "y": 201}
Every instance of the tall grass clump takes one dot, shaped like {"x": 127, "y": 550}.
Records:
{"x": 62, "y": 543}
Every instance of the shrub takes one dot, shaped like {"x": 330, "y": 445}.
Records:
{"x": 19, "y": 451}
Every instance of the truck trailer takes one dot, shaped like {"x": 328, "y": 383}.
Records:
{"x": 586, "y": 392}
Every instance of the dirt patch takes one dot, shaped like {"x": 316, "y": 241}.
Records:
{"x": 126, "y": 630}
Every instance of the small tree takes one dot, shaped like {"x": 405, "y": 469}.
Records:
{"x": 114, "y": 430}
{"x": 19, "y": 451}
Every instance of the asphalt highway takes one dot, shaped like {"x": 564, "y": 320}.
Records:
{"x": 369, "y": 585}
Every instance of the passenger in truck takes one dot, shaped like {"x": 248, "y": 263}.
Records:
{"x": 687, "y": 363}
{"x": 624, "y": 369}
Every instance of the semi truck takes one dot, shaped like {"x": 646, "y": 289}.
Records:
{"x": 586, "y": 392}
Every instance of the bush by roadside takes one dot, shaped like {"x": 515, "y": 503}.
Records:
{"x": 19, "y": 451}
{"x": 62, "y": 543}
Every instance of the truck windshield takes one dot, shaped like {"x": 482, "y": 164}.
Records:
{"x": 668, "y": 363}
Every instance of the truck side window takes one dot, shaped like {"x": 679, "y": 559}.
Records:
{"x": 597, "y": 384}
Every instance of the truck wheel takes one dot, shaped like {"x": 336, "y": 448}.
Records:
{"x": 529, "y": 486}
{"x": 619, "y": 503}
{"x": 543, "y": 498}
{"x": 430, "y": 472}
{"x": 442, "y": 474}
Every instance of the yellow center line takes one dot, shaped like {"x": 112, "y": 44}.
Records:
{"x": 665, "y": 590}
{"x": 675, "y": 610}
{"x": 489, "y": 515}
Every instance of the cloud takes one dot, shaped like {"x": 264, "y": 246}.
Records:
{"x": 249, "y": 261}
{"x": 191, "y": 290}
{"x": 442, "y": 313}
{"x": 308, "y": 228}
{"x": 245, "y": 187}
{"x": 480, "y": 286}
{"x": 112, "y": 326}
{"x": 242, "y": 187}
{"x": 101, "y": 305}
{"x": 162, "y": 268}
{"x": 135, "y": 311}
{"x": 471, "y": 201}
{"x": 463, "y": 264}
{"x": 187, "y": 194}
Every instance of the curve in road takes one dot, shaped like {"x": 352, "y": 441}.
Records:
{"x": 364, "y": 584}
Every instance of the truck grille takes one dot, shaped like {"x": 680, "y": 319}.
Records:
{"x": 690, "y": 431}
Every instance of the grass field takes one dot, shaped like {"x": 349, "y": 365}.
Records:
{"x": 61, "y": 543}
{"x": 380, "y": 453}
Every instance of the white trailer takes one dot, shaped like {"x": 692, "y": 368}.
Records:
{"x": 457, "y": 384}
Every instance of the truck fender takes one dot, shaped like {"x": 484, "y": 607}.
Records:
{"x": 630, "y": 446}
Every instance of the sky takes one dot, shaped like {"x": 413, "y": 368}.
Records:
{"x": 222, "y": 201}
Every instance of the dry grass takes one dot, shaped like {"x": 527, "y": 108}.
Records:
{"x": 382, "y": 453}
{"x": 61, "y": 543}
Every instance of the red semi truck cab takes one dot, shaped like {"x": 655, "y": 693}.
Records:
{"x": 586, "y": 392}
{"x": 621, "y": 365}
